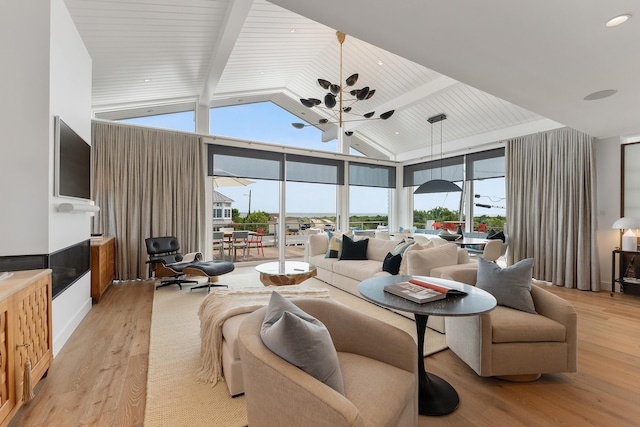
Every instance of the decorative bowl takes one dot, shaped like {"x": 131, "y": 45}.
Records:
{"x": 450, "y": 237}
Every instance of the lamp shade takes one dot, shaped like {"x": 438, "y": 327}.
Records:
{"x": 437, "y": 186}
{"x": 629, "y": 239}
{"x": 626, "y": 222}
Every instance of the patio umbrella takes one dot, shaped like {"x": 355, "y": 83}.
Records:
{"x": 223, "y": 178}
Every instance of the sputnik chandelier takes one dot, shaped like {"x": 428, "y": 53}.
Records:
{"x": 342, "y": 97}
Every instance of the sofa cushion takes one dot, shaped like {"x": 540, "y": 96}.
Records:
{"x": 420, "y": 263}
{"x": 380, "y": 398}
{"x": 379, "y": 248}
{"x": 391, "y": 263}
{"x": 415, "y": 247}
{"x": 321, "y": 262}
{"x": 357, "y": 270}
{"x": 352, "y": 250}
{"x": 301, "y": 340}
{"x": 511, "y": 286}
{"x": 510, "y": 325}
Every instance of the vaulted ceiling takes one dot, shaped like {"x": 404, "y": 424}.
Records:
{"x": 496, "y": 68}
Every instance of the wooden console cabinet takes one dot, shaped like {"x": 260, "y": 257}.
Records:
{"x": 103, "y": 255}
{"x": 25, "y": 333}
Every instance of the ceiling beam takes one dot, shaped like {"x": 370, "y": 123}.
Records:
{"x": 415, "y": 96}
{"x": 236, "y": 15}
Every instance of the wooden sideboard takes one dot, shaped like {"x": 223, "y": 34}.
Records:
{"x": 25, "y": 333}
{"x": 103, "y": 255}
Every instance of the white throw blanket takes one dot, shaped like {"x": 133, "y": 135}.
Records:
{"x": 222, "y": 304}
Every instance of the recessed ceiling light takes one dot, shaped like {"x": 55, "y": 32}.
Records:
{"x": 293, "y": 30}
{"x": 620, "y": 19}
{"x": 147, "y": 80}
{"x": 380, "y": 62}
{"x": 397, "y": 133}
{"x": 600, "y": 94}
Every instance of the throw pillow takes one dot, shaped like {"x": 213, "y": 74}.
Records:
{"x": 415, "y": 247}
{"x": 495, "y": 236}
{"x": 420, "y": 263}
{"x": 401, "y": 247}
{"x": 301, "y": 340}
{"x": 335, "y": 244}
{"x": 511, "y": 286}
{"x": 391, "y": 263}
{"x": 352, "y": 250}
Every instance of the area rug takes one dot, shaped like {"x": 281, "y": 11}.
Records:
{"x": 174, "y": 395}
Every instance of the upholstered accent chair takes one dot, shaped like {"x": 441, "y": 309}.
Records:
{"x": 378, "y": 364}
{"x": 512, "y": 344}
{"x": 492, "y": 250}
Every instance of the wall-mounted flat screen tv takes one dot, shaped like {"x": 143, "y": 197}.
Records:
{"x": 73, "y": 163}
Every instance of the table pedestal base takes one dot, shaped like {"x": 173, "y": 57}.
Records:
{"x": 436, "y": 396}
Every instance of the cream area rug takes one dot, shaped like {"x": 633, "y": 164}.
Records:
{"x": 175, "y": 397}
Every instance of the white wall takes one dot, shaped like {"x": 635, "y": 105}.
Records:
{"x": 70, "y": 98}
{"x": 607, "y": 153}
{"x": 46, "y": 72}
{"x": 25, "y": 138}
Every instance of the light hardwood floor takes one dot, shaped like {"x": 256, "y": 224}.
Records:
{"x": 99, "y": 377}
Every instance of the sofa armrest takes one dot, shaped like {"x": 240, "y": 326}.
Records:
{"x": 562, "y": 311}
{"x": 318, "y": 244}
{"x": 554, "y": 307}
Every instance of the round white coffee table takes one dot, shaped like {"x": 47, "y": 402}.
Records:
{"x": 285, "y": 273}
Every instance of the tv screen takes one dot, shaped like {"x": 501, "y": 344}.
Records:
{"x": 73, "y": 163}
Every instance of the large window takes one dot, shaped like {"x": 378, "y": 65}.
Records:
{"x": 370, "y": 187}
{"x": 481, "y": 202}
{"x": 183, "y": 121}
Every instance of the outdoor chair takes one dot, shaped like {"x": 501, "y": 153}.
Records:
{"x": 256, "y": 240}
{"x": 239, "y": 240}
{"x": 218, "y": 242}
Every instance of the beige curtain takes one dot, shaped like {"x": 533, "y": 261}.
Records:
{"x": 551, "y": 207}
{"x": 147, "y": 183}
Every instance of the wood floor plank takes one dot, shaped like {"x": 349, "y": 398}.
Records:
{"x": 99, "y": 377}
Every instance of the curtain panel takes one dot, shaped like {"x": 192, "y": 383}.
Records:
{"x": 551, "y": 207}
{"x": 148, "y": 183}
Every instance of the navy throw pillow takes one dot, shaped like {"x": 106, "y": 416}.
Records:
{"x": 391, "y": 263}
{"x": 353, "y": 250}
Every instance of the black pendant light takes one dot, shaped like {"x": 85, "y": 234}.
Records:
{"x": 437, "y": 185}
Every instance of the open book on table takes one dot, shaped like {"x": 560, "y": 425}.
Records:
{"x": 421, "y": 291}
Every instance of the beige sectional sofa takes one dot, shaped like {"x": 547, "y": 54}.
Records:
{"x": 347, "y": 274}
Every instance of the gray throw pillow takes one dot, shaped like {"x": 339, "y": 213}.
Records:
{"x": 511, "y": 286}
{"x": 301, "y": 340}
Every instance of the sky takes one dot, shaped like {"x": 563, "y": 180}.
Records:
{"x": 266, "y": 122}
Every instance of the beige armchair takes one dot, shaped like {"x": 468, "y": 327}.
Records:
{"x": 378, "y": 363}
{"x": 512, "y": 344}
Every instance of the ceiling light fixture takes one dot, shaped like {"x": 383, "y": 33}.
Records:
{"x": 617, "y": 20}
{"x": 343, "y": 98}
{"x": 437, "y": 185}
